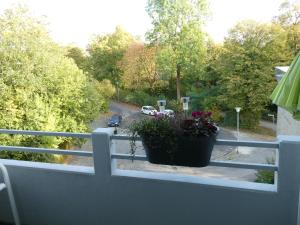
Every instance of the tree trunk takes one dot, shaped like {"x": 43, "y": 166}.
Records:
{"x": 178, "y": 70}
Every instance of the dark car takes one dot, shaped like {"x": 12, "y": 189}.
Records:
{"x": 114, "y": 121}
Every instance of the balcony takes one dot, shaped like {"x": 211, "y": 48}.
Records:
{"x": 54, "y": 194}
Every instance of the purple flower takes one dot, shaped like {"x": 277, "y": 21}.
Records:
{"x": 208, "y": 114}
{"x": 197, "y": 113}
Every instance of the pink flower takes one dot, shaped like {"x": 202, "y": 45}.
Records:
{"x": 197, "y": 113}
{"x": 208, "y": 114}
{"x": 194, "y": 114}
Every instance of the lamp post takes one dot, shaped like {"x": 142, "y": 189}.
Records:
{"x": 161, "y": 104}
{"x": 185, "y": 104}
{"x": 238, "y": 109}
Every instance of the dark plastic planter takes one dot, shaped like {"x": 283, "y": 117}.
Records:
{"x": 190, "y": 151}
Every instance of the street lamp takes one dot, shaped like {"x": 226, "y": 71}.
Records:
{"x": 161, "y": 104}
{"x": 238, "y": 109}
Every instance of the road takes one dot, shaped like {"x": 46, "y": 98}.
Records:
{"x": 131, "y": 113}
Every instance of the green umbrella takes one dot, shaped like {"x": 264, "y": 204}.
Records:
{"x": 287, "y": 93}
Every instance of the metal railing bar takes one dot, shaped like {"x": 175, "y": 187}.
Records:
{"x": 212, "y": 162}
{"x": 46, "y": 150}
{"x": 260, "y": 144}
{"x": 255, "y": 166}
{"x": 128, "y": 156}
{"x": 46, "y": 133}
{"x": 124, "y": 138}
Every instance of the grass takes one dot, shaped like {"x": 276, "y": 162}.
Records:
{"x": 264, "y": 131}
{"x": 259, "y": 132}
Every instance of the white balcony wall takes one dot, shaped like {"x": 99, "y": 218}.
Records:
{"x": 48, "y": 194}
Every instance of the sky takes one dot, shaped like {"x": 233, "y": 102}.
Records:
{"x": 76, "y": 21}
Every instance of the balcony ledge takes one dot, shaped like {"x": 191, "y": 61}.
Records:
{"x": 85, "y": 170}
{"x": 208, "y": 182}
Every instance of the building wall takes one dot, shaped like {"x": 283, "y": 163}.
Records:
{"x": 286, "y": 125}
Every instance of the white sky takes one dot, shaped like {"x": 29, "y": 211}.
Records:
{"x": 75, "y": 21}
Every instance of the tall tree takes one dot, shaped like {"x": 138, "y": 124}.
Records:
{"x": 177, "y": 28}
{"x": 289, "y": 19}
{"x": 251, "y": 51}
{"x": 41, "y": 89}
{"x": 105, "y": 52}
{"x": 139, "y": 68}
{"x": 78, "y": 55}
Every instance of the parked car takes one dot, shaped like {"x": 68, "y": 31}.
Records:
{"x": 149, "y": 110}
{"x": 166, "y": 112}
{"x": 169, "y": 112}
{"x": 114, "y": 121}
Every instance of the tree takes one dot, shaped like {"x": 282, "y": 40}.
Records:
{"x": 205, "y": 91}
{"x": 289, "y": 20}
{"x": 177, "y": 30}
{"x": 78, "y": 55}
{"x": 251, "y": 51}
{"x": 105, "y": 52}
{"x": 139, "y": 68}
{"x": 41, "y": 89}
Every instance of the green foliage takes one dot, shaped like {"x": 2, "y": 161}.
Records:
{"x": 106, "y": 91}
{"x": 105, "y": 52}
{"x": 41, "y": 89}
{"x": 265, "y": 176}
{"x": 289, "y": 20}
{"x": 159, "y": 133}
{"x": 139, "y": 98}
{"x": 174, "y": 105}
{"x": 251, "y": 51}
{"x": 78, "y": 56}
{"x": 247, "y": 119}
{"x": 177, "y": 30}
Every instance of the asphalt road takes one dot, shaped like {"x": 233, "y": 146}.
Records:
{"x": 131, "y": 113}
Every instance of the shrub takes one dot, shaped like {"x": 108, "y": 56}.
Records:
{"x": 248, "y": 120}
{"x": 174, "y": 105}
{"x": 139, "y": 98}
{"x": 266, "y": 176}
{"x": 216, "y": 113}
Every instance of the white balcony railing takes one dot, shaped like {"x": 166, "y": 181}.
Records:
{"x": 62, "y": 194}
{"x": 271, "y": 145}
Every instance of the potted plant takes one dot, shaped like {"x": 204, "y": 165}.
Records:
{"x": 179, "y": 140}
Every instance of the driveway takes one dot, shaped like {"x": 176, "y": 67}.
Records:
{"x": 131, "y": 113}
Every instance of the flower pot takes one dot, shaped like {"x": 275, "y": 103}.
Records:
{"x": 187, "y": 151}
{"x": 157, "y": 150}
{"x": 194, "y": 151}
